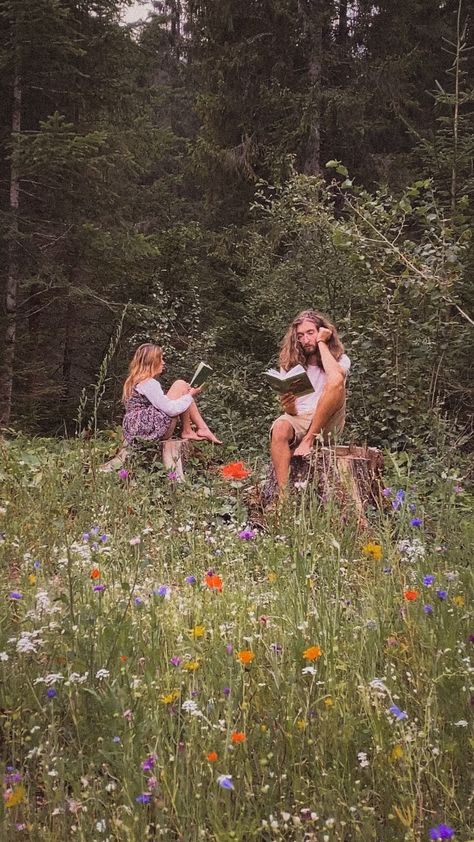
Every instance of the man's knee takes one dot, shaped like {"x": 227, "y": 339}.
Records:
{"x": 282, "y": 432}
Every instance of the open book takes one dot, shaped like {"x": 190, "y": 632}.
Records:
{"x": 295, "y": 380}
{"x": 201, "y": 374}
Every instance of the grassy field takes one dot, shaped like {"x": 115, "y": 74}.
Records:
{"x": 168, "y": 673}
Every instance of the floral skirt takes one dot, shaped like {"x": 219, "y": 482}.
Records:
{"x": 145, "y": 422}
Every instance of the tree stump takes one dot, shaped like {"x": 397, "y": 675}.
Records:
{"x": 349, "y": 475}
{"x": 173, "y": 453}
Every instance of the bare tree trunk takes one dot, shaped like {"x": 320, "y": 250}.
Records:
{"x": 342, "y": 23}
{"x": 313, "y": 28}
{"x": 6, "y": 375}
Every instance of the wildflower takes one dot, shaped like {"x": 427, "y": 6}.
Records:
{"x": 225, "y": 781}
{"x": 234, "y": 470}
{"x": 143, "y": 798}
{"x": 398, "y": 501}
{"x": 32, "y": 579}
{"x": 237, "y": 737}
{"x": 212, "y": 756}
{"x": 410, "y": 595}
{"x": 149, "y": 763}
{"x": 176, "y": 660}
{"x": 428, "y": 609}
{"x": 169, "y": 698}
{"x": 190, "y": 580}
{"x": 138, "y": 601}
{"x": 15, "y": 595}
{"x": 399, "y": 715}
{"x": 362, "y": 758}
{"x": 246, "y": 656}
{"x": 329, "y": 701}
{"x": 116, "y": 739}
{"x": 301, "y": 724}
{"x": 213, "y": 581}
{"x": 272, "y": 577}
{"x": 191, "y": 665}
{"x": 416, "y": 521}
{"x": 312, "y": 653}
{"x": 229, "y": 648}
{"x": 3, "y": 656}
{"x": 98, "y": 588}
{"x": 51, "y": 693}
{"x": 95, "y": 573}
{"x": 373, "y": 550}
{"x": 102, "y": 674}
{"x": 443, "y": 831}
{"x": 172, "y": 476}
{"x": 135, "y": 541}
{"x": 197, "y": 632}
{"x": 37, "y": 565}
{"x": 226, "y": 692}
{"x": 441, "y": 594}
{"x": 397, "y": 753}
{"x": 162, "y": 591}
{"x": 458, "y": 601}
{"x": 123, "y": 473}
{"x": 428, "y": 580}
{"x": 15, "y": 796}
{"x": 458, "y": 489}
{"x": 310, "y": 670}
{"x": 247, "y": 534}
{"x": 387, "y": 492}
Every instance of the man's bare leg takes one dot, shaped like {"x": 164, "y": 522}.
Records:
{"x": 330, "y": 402}
{"x": 282, "y": 435}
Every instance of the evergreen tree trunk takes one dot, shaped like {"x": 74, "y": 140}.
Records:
{"x": 6, "y": 375}
{"x": 313, "y": 28}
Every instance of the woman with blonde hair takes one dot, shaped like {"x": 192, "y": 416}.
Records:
{"x": 151, "y": 414}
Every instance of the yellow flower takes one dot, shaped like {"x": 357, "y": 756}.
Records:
{"x": 301, "y": 724}
{"x": 373, "y": 550}
{"x": 329, "y": 701}
{"x": 264, "y": 728}
{"x": 459, "y": 601}
{"x": 32, "y": 579}
{"x": 16, "y": 797}
{"x": 191, "y": 665}
{"x": 169, "y": 698}
{"x": 397, "y": 753}
{"x": 272, "y": 577}
{"x": 197, "y": 631}
{"x": 312, "y": 653}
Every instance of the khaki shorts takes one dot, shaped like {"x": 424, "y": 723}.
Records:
{"x": 301, "y": 424}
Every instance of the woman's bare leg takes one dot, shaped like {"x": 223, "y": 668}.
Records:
{"x": 191, "y": 416}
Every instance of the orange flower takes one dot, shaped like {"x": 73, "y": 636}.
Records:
{"x": 212, "y": 756}
{"x": 124, "y": 658}
{"x": 410, "y": 595}
{"x": 234, "y": 470}
{"x": 95, "y": 573}
{"x": 245, "y": 656}
{"x": 312, "y": 653}
{"x": 237, "y": 737}
{"x": 213, "y": 581}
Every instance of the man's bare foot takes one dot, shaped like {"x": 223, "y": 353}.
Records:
{"x": 304, "y": 448}
{"x": 204, "y": 433}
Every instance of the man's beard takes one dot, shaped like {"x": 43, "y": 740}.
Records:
{"x": 308, "y": 352}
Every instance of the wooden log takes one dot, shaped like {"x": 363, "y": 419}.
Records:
{"x": 349, "y": 475}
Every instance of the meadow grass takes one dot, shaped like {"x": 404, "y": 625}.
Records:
{"x": 167, "y": 676}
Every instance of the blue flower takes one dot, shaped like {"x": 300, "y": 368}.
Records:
{"x": 443, "y": 831}
{"x": 161, "y": 591}
{"x": 416, "y": 521}
{"x": 428, "y": 609}
{"x": 37, "y": 565}
{"x": 98, "y": 588}
{"x": 399, "y": 498}
{"x": 116, "y": 739}
{"x": 399, "y": 715}
{"x": 16, "y": 595}
{"x": 138, "y": 601}
{"x": 247, "y": 534}
{"x": 429, "y": 579}
{"x": 441, "y": 594}
{"x": 51, "y": 693}
{"x": 190, "y": 580}
{"x": 143, "y": 798}
{"x": 225, "y": 781}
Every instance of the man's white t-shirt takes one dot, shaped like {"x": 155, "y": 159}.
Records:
{"x": 318, "y": 377}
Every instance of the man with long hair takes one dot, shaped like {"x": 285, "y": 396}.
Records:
{"x": 311, "y": 341}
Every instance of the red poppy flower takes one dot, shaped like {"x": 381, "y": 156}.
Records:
{"x": 410, "y": 595}
{"x": 234, "y": 470}
{"x": 213, "y": 581}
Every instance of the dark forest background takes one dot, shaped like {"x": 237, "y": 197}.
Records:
{"x": 197, "y": 179}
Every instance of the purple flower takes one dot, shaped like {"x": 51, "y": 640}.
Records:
{"x": 443, "y": 831}
{"x": 428, "y": 609}
{"x": 276, "y": 648}
{"x": 471, "y": 638}
{"x": 226, "y": 692}
{"x": 387, "y": 492}
{"x": 172, "y": 476}
{"x": 85, "y": 536}
{"x": 428, "y": 580}
{"x": 37, "y": 565}
{"x": 138, "y": 601}
{"x": 116, "y": 739}
{"x": 51, "y": 693}
{"x": 13, "y": 777}
{"x": 15, "y": 595}
{"x": 225, "y": 781}
{"x": 143, "y": 798}
{"x": 399, "y": 715}
{"x": 123, "y": 473}
{"x": 161, "y": 591}
{"x": 104, "y": 538}
{"x": 95, "y": 530}
{"x": 149, "y": 764}
{"x": 412, "y": 507}
{"x": 387, "y": 570}
{"x": 441, "y": 594}
{"x": 247, "y": 534}
{"x": 98, "y": 588}
{"x": 458, "y": 489}
{"x": 416, "y": 521}
{"x": 229, "y": 648}
{"x": 190, "y": 580}
{"x": 176, "y": 660}
{"x": 399, "y": 498}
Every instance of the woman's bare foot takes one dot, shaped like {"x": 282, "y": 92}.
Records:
{"x": 190, "y": 435}
{"x": 204, "y": 433}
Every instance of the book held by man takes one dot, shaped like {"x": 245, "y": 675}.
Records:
{"x": 200, "y": 375}
{"x": 295, "y": 380}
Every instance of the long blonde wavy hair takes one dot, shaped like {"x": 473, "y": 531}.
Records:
{"x": 145, "y": 363}
{"x": 291, "y": 352}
